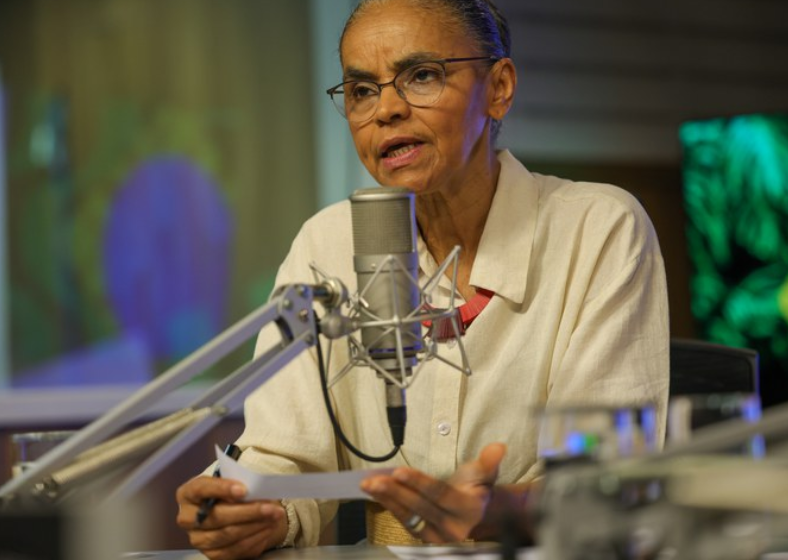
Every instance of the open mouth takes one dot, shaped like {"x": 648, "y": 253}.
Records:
{"x": 398, "y": 150}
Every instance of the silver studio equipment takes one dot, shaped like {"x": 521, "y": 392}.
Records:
{"x": 690, "y": 501}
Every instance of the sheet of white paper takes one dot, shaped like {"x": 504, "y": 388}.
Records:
{"x": 333, "y": 486}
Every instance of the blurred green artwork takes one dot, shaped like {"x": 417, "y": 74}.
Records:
{"x": 736, "y": 200}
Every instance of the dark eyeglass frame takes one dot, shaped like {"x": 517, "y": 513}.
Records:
{"x": 339, "y": 88}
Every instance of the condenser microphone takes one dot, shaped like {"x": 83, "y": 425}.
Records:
{"x": 386, "y": 265}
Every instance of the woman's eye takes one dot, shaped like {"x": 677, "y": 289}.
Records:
{"x": 361, "y": 91}
{"x": 423, "y": 75}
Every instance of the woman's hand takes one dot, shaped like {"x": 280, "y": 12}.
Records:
{"x": 440, "y": 511}
{"x": 233, "y": 529}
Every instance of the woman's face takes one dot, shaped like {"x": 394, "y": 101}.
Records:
{"x": 424, "y": 149}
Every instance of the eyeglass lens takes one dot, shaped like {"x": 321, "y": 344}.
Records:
{"x": 420, "y": 85}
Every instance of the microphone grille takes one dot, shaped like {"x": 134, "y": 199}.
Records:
{"x": 384, "y": 221}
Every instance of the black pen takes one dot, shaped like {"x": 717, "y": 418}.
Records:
{"x": 206, "y": 506}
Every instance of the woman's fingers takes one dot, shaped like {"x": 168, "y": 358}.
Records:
{"x": 236, "y": 525}
{"x": 403, "y": 501}
{"x": 482, "y": 471}
{"x": 429, "y": 488}
{"x": 198, "y": 489}
{"x": 232, "y": 528}
{"x": 238, "y": 541}
{"x": 226, "y": 513}
{"x": 450, "y": 509}
{"x": 490, "y": 458}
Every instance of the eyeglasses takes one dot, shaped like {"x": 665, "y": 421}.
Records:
{"x": 419, "y": 85}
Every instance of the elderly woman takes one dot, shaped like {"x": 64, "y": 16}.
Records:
{"x": 568, "y": 277}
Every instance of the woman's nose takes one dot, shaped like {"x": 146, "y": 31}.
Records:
{"x": 391, "y": 104}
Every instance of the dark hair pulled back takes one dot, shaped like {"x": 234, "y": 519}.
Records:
{"x": 481, "y": 18}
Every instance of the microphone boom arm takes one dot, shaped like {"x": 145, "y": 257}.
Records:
{"x": 290, "y": 309}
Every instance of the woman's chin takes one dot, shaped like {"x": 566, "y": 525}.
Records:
{"x": 415, "y": 182}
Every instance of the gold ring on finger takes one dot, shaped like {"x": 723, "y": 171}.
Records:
{"x": 416, "y": 523}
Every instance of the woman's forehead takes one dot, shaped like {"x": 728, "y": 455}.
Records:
{"x": 386, "y": 37}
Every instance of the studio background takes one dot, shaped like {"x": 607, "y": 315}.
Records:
{"x": 158, "y": 157}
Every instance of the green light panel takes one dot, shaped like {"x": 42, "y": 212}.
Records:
{"x": 736, "y": 200}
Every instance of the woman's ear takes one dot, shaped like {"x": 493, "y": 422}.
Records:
{"x": 503, "y": 86}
